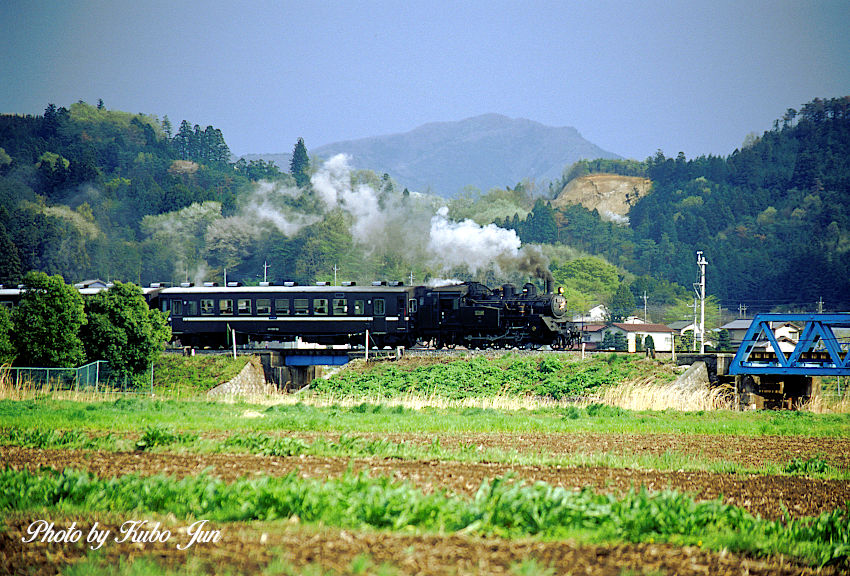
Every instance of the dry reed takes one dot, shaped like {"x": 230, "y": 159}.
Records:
{"x": 822, "y": 404}
{"x": 648, "y": 395}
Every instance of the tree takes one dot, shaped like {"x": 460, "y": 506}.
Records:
{"x": 10, "y": 261}
{"x": 167, "y": 128}
{"x": 607, "y": 340}
{"x": 621, "y": 343}
{"x": 622, "y": 304}
{"x": 47, "y": 323}
{"x": 299, "y": 167}
{"x": 724, "y": 340}
{"x": 123, "y": 330}
{"x": 7, "y": 350}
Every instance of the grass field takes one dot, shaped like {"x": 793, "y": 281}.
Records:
{"x": 358, "y": 478}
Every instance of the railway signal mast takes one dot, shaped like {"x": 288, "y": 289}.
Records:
{"x": 701, "y": 262}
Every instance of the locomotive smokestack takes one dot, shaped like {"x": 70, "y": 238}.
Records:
{"x": 550, "y": 285}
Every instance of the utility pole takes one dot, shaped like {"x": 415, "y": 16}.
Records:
{"x": 696, "y": 326}
{"x": 336, "y": 269}
{"x": 411, "y": 277}
{"x": 820, "y": 305}
{"x": 266, "y": 267}
{"x": 701, "y": 262}
{"x": 644, "y": 305}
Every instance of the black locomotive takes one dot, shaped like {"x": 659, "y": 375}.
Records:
{"x": 474, "y": 316}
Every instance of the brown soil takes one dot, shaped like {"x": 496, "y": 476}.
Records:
{"x": 742, "y": 450}
{"x": 764, "y": 495}
{"x": 249, "y": 549}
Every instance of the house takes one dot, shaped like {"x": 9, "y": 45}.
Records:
{"x": 92, "y": 284}
{"x": 737, "y": 330}
{"x": 682, "y": 326}
{"x": 787, "y": 334}
{"x": 592, "y": 335}
{"x": 596, "y": 315}
{"x": 662, "y": 336}
{"x": 90, "y": 287}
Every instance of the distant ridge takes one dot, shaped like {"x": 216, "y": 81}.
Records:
{"x": 484, "y": 151}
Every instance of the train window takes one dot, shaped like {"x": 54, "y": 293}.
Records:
{"x": 264, "y": 306}
{"x": 207, "y": 307}
{"x": 302, "y": 306}
{"x": 176, "y": 307}
{"x": 380, "y": 307}
{"x": 412, "y": 306}
{"x": 340, "y": 309}
{"x": 243, "y": 305}
{"x": 359, "y": 309}
{"x": 281, "y": 307}
{"x": 191, "y": 308}
{"x": 320, "y": 306}
{"x": 225, "y": 307}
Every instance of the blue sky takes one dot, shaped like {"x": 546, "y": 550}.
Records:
{"x": 632, "y": 77}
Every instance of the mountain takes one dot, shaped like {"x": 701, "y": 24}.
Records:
{"x": 484, "y": 151}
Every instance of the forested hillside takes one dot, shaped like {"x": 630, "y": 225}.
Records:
{"x": 91, "y": 192}
{"x": 772, "y": 218}
{"x": 77, "y": 183}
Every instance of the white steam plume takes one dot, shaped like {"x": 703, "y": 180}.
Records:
{"x": 265, "y": 205}
{"x": 333, "y": 185}
{"x": 468, "y": 244}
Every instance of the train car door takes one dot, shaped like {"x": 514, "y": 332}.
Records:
{"x": 379, "y": 315}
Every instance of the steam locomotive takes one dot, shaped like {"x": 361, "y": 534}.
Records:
{"x": 467, "y": 314}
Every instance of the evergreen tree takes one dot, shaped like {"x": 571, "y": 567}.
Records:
{"x": 622, "y": 304}
{"x": 7, "y": 350}
{"x": 300, "y": 165}
{"x": 621, "y": 343}
{"x": 10, "y": 261}
{"x": 166, "y": 126}
{"x": 724, "y": 340}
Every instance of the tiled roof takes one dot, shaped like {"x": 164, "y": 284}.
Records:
{"x": 643, "y": 327}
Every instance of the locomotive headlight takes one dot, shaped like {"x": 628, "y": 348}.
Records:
{"x": 559, "y": 305}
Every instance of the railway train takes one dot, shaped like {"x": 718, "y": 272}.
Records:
{"x": 467, "y": 314}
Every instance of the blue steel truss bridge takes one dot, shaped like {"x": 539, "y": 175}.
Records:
{"x": 773, "y": 372}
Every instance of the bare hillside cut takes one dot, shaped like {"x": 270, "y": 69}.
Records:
{"x": 610, "y": 194}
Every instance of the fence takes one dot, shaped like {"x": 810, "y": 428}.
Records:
{"x": 92, "y": 377}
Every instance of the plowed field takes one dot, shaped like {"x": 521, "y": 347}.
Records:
{"x": 250, "y": 547}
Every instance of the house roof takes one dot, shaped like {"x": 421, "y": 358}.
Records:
{"x": 96, "y": 283}
{"x": 680, "y": 324}
{"x": 746, "y": 323}
{"x": 643, "y": 327}
{"x": 738, "y": 324}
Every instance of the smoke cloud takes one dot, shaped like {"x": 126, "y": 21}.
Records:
{"x": 476, "y": 248}
{"x": 411, "y": 229}
{"x": 267, "y": 205}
